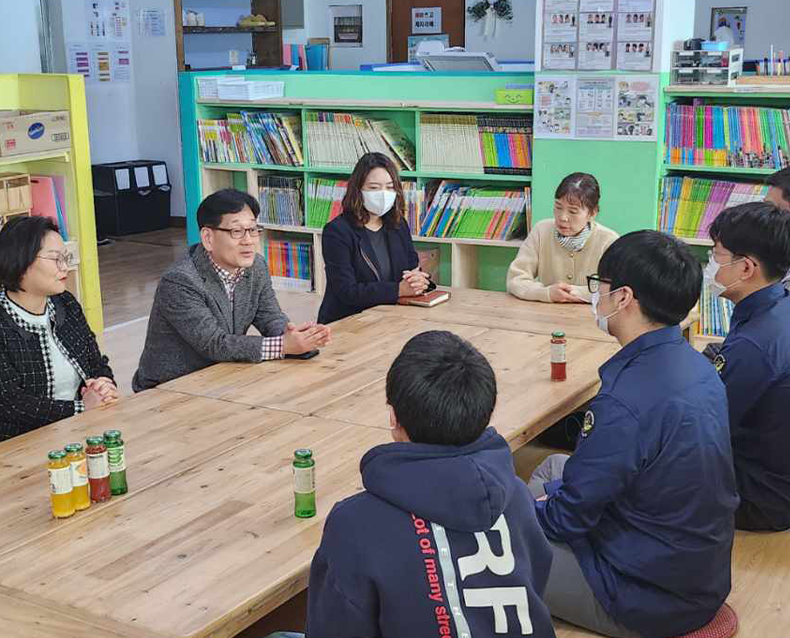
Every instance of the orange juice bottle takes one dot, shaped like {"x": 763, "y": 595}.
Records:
{"x": 79, "y": 475}
{"x": 60, "y": 492}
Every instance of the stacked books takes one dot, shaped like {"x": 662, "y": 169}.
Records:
{"x": 326, "y": 201}
{"x": 479, "y": 143}
{"x": 715, "y": 314}
{"x": 728, "y": 136}
{"x": 253, "y": 137}
{"x": 338, "y": 140}
{"x": 689, "y": 205}
{"x": 281, "y": 200}
{"x": 290, "y": 264}
{"x": 477, "y": 213}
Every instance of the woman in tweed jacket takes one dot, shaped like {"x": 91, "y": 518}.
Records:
{"x": 50, "y": 363}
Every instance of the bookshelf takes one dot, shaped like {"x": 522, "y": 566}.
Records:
{"x": 774, "y": 97}
{"x": 400, "y": 97}
{"x": 58, "y": 92}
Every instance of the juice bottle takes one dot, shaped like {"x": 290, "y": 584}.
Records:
{"x": 116, "y": 453}
{"x": 98, "y": 469}
{"x": 60, "y": 492}
{"x": 304, "y": 483}
{"x": 79, "y": 475}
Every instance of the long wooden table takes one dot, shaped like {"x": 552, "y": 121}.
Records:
{"x": 205, "y": 543}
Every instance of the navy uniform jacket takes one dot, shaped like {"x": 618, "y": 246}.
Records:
{"x": 647, "y": 501}
{"x": 442, "y": 542}
{"x": 754, "y": 364}
{"x": 353, "y": 283}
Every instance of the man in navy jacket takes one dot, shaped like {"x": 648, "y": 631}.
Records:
{"x": 641, "y": 517}
{"x": 750, "y": 257}
{"x": 444, "y": 540}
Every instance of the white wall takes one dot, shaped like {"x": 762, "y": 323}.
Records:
{"x": 136, "y": 119}
{"x": 513, "y": 40}
{"x": 318, "y": 24}
{"x": 19, "y": 46}
{"x": 767, "y": 23}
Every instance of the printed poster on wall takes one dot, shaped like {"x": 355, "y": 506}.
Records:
{"x": 101, "y": 56}
{"x": 596, "y": 6}
{"x": 426, "y": 20}
{"x": 635, "y": 56}
{"x": 555, "y": 99}
{"x": 78, "y": 60}
{"x": 107, "y": 19}
{"x": 595, "y": 108}
{"x": 596, "y": 41}
{"x": 121, "y": 62}
{"x": 637, "y": 97}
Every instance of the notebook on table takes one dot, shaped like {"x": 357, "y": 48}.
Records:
{"x": 427, "y": 300}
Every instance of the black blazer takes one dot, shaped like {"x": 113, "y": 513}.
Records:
{"x": 25, "y": 378}
{"x": 353, "y": 283}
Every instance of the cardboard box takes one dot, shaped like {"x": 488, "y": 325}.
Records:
{"x": 36, "y": 132}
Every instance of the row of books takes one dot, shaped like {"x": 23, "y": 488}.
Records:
{"x": 281, "y": 200}
{"x": 715, "y": 314}
{"x": 477, "y": 213}
{"x": 252, "y": 137}
{"x": 340, "y": 139}
{"x": 479, "y": 143}
{"x": 325, "y": 201}
{"x": 727, "y": 136}
{"x": 689, "y": 204}
{"x": 290, "y": 264}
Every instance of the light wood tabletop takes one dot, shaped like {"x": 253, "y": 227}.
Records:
{"x": 205, "y": 543}
{"x": 493, "y": 309}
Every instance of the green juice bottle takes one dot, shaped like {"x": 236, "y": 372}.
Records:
{"x": 116, "y": 454}
{"x": 304, "y": 483}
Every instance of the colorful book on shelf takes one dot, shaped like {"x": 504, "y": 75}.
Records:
{"x": 727, "y": 136}
{"x": 281, "y": 200}
{"x": 480, "y": 143}
{"x": 715, "y": 315}
{"x": 690, "y": 204}
{"x": 466, "y": 212}
{"x": 290, "y": 264}
{"x": 338, "y": 140}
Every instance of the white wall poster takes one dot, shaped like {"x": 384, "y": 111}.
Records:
{"x": 637, "y": 97}
{"x": 595, "y": 108}
{"x": 555, "y": 100}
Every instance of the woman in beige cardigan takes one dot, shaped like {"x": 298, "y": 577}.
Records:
{"x": 553, "y": 262}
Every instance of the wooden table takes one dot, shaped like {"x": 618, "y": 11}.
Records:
{"x": 205, "y": 543}
{"x": 492, "y": 309}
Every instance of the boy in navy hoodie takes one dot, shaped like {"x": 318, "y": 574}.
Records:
{"x": 444, "y": 539}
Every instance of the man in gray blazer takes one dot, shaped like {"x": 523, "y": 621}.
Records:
{"x": 206, "y": 301}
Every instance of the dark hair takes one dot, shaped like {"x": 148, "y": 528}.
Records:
{"x": 781, "y": 180}
{"x": 582, "y": 188}
{"x": 441, "y": 389}
{"x": 662, "y": 271}
{"x": 228, "y": 201}
{"x": 758, "y": 230}
{"x": 20, "y": 243}
{"x": 353, "y": 204}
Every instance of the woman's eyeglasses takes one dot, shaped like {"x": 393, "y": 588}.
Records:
{"x": 63, "y": 261}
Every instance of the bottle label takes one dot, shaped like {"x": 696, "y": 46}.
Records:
{"x": 79, "y": 473}
{"x": 304, "y": 480}
{"x": 60, "y": 480}
{"x": 117, "y": 458}
{"x": 98, "y": 466}
{"x": 558, "y": 353}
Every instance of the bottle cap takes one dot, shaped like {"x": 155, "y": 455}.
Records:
{"x": 94, "y": 440}
{"x": 56, "y": 455}
{"x": 559, "y": 334}
{"x": 112, "y": 435}
{"x": 303, "y": 454}
{"x": 73, "y": 447}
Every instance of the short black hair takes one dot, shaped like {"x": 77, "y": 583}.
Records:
{"x": 441, "y": 389}
{"x": 20, "y": 243}
{"x": 582, "y": 188}
{"x": 758, "y": 230}
{"x": 225, "y": 202}
{"x": 781, "y": 180}
{"x": 663, "y": 273}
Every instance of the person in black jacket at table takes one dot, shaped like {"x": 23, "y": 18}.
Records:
{"x": 50, "y": 363}
{"x": 370, "y": 259}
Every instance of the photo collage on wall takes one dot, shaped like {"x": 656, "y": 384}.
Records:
{"x": 598, "y": 35}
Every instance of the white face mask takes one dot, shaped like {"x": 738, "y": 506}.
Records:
{"x": 602, "y": 322}
{"x": 378, "y": 203}
{"x": 709, "y": 276}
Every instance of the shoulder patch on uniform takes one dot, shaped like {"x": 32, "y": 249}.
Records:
{"x": 589, "y": 423}
{"x": 719, "y": 362}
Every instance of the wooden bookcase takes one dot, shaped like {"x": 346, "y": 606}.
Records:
{"x": 267, "y": 41}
